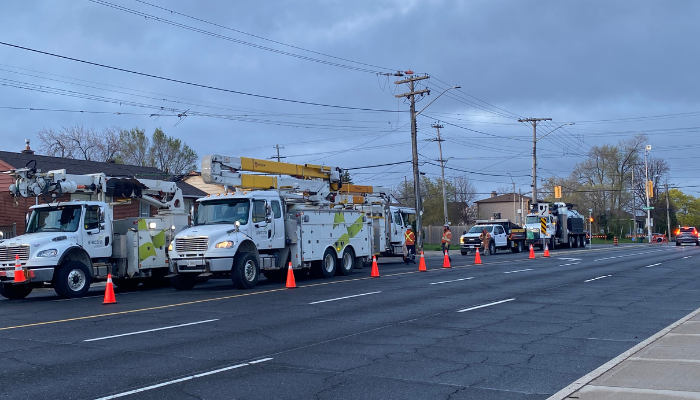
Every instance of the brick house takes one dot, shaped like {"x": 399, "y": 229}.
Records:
{"x": 12, "y": 218}
{"x": 506, "y": 204}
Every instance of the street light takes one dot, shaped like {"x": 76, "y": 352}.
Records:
{"x": 416, "y": 172}
{"x": 535, "y": 139}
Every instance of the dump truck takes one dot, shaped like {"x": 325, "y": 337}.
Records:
{"x": 555, "y": 224}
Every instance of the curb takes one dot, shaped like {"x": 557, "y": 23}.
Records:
{"x": 586, "y": 379}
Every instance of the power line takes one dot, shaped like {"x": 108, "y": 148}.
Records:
{"x": 196, "y": 84}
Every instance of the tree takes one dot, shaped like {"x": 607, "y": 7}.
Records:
{"x": 460, "y": 198}
{"x": 161, "y": 151}
{"x": 346, "y": 178}
{"x": 77, "y": 142}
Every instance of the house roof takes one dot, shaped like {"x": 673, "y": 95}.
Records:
{"x": 504, "y": 198}
{"x": 79, "y": 167}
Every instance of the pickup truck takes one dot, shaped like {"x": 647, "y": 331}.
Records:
{"x": 505, "y": 235}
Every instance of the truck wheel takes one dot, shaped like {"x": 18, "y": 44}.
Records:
{"x": 346, "y": 263}
{"x": 582, "y": 241}
{"x": 15, "y": 292}
{"x": 245, "y": 271}
{"x": 72, "y": 280}
{"x": 325, "y": 268}
{"x": 515, "y": 248}
{"x": 492, "y": 248}
{"x": 183, "y": 281}
{"x": 551, "y": 243}
{"x": 573, "y": 242}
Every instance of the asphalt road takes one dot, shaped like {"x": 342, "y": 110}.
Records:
{"x": 511, "y": 328}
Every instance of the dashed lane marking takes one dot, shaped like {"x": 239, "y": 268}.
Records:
{"x": 595, "y": 279}
{"x": 344, "y": 297}
{"x": 454, "y": 280}
{"x": 485, "y": 305}
{"x": 653, "y": 265}
{"x": 150, "y": 330}
{"x": 186, "y": 378}
{"x": 520, "y": 270}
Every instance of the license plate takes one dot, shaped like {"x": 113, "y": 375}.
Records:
{"x": 193, "y": 263}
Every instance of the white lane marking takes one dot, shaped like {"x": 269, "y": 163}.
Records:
{"x": 653, "y": 265}
{"x": 520, "y": 270}
{"x": 346, "y": 297}
{"x": 485, "y": 305}
{"x": 151, "y": 330}
{"x": 566, "y": 265}
{"x": 454, "y": 280}
{"x": 628, "y": 255}
{"x": 687, "y": 256}
{"x": 187, "y": 378}
{"x": 595, "y": 279}
{"x": 568, "y": 259}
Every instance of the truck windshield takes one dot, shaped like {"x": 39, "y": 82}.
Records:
{"x": 55, "y": 219}
{"x": 226, "y": 211}
{"x": 479, "y": 228}
{"x": 532, "y": 219}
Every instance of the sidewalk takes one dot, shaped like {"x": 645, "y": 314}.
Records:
{"x": 666, "y": 366}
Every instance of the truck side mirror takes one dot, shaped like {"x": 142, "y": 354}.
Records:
{"x": 192, "y": 212}
{"x": 26, "y": 219}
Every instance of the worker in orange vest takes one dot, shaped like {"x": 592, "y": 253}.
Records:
{"x": 410, "y": 246}
{"x": 446, "y": 239}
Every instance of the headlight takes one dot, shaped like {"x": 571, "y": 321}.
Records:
{"x": 227, "y": 244}
{"x": 47, "y": 253}
{"x": 170, "y": 246}
{"x": 461, "y": 240}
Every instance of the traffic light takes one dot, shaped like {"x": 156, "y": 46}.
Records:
{"x": 557, "y": 192}
{"x": 590, "y": 219}
{"x": 650, "y": 189}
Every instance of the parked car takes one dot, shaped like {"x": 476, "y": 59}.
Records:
{"x": 687, "y": 235}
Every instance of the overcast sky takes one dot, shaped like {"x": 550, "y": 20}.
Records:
{"x": 605, "y": 65}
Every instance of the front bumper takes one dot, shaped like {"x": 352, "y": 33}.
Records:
{"x": 33, "y": 274}
{"x": 201, "y": 265}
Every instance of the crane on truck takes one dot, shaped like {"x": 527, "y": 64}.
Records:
{"x": 553, "y": 224}
{"x": 68, "y": 245}
{"x": 305, "y": 218}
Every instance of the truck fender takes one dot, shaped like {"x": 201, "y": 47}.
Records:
{"x": 75, "y": 253}
{"x": 247, "y": 246}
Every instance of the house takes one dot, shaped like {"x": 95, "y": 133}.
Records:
{"x": 512, "y": 206}
{"x": 13, "y": 211}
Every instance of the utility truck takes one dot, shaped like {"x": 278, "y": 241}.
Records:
{"x": 553, "y": 224}
{"x": 299, "y": 218}
{"x": 505, "y": 235}
{"x": 69, "y": 245}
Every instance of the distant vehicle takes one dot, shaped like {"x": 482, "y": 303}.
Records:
{"x": 658, "y": 237}
{"x": 687, "y": 234}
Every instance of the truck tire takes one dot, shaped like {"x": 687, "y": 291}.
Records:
{"x": 347, "y": 263}
{"x": 72, "y": 280}
{"x": 183, "y": 281}
{"x": 492, "y": 248}
{"x": 15, "y": 292}
{"x": 245, "y": 271}
{"x": 573, "y": 242}
{"x": 325, "y": 268}
{"x": 582, "y": 241}
{"x": 515, "y": 247}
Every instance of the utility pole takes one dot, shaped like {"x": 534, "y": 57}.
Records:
{"x": 646, "y": 191}
{"x": 514, "y": 212}
{"x": 534, "y": 122}
{"x": 634, "y": 209}
{"x": 442, "y": 169}
{"x": 411, "y": 96}
{"x": 278, "y": 157}
{"x": 668, "y": 216}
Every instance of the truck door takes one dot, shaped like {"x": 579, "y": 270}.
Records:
{"x": 262, "y": 231}
{"x": 499, "y": 235}
{"x": 278, "y": 225}
{"x": 97, "y": 237}
{"x": 397, "y": 227}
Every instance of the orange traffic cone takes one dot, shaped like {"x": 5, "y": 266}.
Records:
{"x": 375, "y": 269}
{"x": 532, "y": 252}
{"x": 291, "y": 283}
{"x": 546, "y": 250}
{"x": 477, "y": 257}
{"x": 109, "y": 291}
{"x": 446, "y": 262}
{"x": 421, "y": 264}
{"x": 19, "y": 272}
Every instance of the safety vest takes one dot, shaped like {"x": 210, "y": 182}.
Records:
{"x": 410, "y": 238}
{"x": 447, "y": 237}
